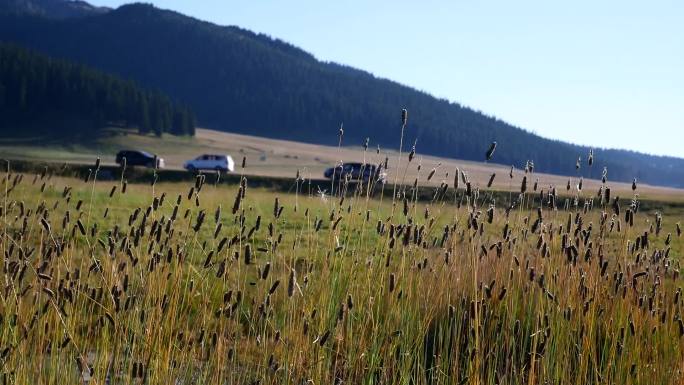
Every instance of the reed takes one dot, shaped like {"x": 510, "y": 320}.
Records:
{"x": 120, "y": 284}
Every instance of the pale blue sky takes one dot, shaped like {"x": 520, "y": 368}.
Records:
{"x": 600, "y": 73}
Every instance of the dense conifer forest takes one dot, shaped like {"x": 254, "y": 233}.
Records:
{"x": 40, "y": 95}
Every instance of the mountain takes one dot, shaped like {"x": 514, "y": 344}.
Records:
{"x": 48, "y": 98}
{"x": 239, "y": 81}
{"x": 56, "y": 9}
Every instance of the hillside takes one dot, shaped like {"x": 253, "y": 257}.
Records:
{"x": 40, "y": 96}
{"x": 239, "y": 81}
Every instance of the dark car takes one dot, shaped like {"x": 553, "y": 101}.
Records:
{"x": 355, "y": 172}
{"x": 139, "y": 158}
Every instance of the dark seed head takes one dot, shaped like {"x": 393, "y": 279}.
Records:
{"x": 490, "y": 151}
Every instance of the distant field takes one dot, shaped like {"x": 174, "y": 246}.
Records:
{"x": 271, "y": 157}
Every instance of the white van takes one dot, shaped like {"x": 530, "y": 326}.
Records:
{"x": 215, "y": 162}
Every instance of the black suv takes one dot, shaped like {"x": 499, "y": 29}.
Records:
{"x": 355, "y": 172}
{"x": 139, "y": 158}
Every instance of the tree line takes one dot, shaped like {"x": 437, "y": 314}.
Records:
{"x": 42, "y": 95}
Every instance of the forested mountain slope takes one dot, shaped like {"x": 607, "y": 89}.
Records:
{"x": 41, "y": 96}
{"x": 239, "y": 81}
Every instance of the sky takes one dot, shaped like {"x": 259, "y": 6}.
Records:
{"x": 599, "y": 73}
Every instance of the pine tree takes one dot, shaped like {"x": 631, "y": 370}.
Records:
{"x": 144, "y": 117}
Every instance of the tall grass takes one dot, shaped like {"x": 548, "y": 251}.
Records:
{"x": 215, "y": 284}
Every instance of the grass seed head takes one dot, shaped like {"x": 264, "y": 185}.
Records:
{"x": 490, "y": 151}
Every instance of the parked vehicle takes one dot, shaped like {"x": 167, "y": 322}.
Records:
{"x": 215, "y": 162}
{"x": 139, "y": 158}
{"x": 355, "y": 172}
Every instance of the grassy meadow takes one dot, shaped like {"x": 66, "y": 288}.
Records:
{"x": 204, "y": 283}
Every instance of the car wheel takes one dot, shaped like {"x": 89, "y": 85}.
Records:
{"x": 192, "y": 169}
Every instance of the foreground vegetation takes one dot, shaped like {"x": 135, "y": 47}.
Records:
{"x": 105, "y": 282}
